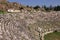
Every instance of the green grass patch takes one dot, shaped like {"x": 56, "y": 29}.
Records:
{"x": 52, "y": 36}
{"x": 2, "y": 12}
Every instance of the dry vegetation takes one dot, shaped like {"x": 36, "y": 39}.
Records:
{"x": 53, "y": 36}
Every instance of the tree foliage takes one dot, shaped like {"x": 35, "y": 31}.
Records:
{"x": 36, "y": 7}
{"x": 55, "y": 8}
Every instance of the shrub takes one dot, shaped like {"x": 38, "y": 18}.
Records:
{"x": 2, "y": 12}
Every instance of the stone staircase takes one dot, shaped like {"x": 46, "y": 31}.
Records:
{"x": 28, "y": 25}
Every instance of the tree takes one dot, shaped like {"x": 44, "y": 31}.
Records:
{"x": 57, "y": 8}
{"x": 47, "y": 8}
{"x": 36, "y": 7}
